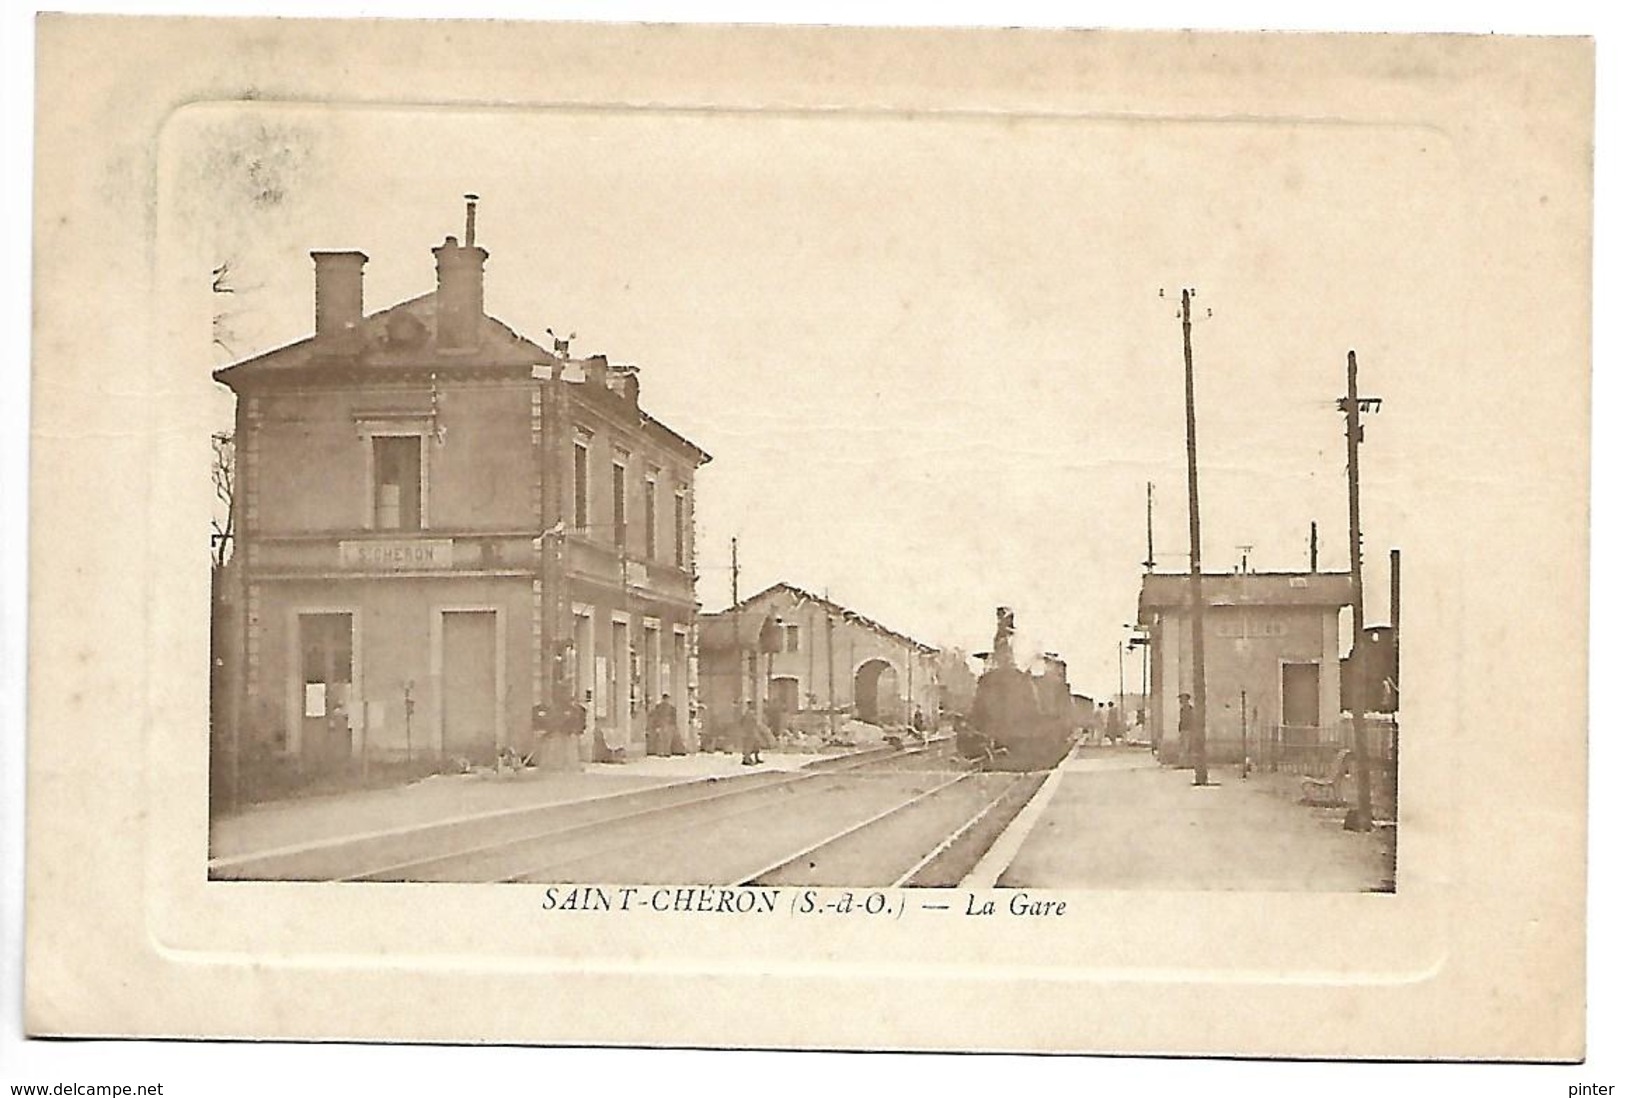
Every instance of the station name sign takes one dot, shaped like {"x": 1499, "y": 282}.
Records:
{"x": 396, "y": 555}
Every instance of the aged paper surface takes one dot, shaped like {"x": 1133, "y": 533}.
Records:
{"x": 1471, "y": 155}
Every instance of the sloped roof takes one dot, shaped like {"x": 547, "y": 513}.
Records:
{"x": 1171, "y": 591}
{"x": 752, "y": 614}
{"x": 401, "y": 338}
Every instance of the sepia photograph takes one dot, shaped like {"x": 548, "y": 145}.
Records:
{"x": 525, "y": 566}
{"x": 873, "y": 539}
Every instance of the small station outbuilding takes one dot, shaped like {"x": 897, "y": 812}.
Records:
{"x": 1271, "y": 636}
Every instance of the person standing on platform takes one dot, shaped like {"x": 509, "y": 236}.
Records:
{"x": 752, "y": 738}
{"x": 1187, "y": 724}
{"x": 662, "y": 726}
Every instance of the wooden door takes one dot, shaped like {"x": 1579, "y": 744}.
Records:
{"x": 1300, "y": 694}
{"x": 784, "y": 692}
{"x": 325, "y": 672}
{"x": 469, "y": 683}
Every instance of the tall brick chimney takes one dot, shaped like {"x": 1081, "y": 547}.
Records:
{"x": 338, "y": 291}
{"x": 460, "y": 289}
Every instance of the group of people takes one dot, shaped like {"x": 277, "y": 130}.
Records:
{"x": 572, "y": 718}
{"x": 661, "y": 736}
{"x": 751, "y": 733}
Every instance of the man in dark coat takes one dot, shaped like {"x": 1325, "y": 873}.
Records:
{"x": 662, "y": 726}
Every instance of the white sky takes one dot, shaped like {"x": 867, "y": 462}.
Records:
{"x": 928, "y": 355}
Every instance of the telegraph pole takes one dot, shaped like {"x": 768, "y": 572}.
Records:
{"x": 739, "y": 647}
{"x": 829, "y": 664}
{"x": 1359, "y": 818}
{"x": 1120, "y": 680}
{"x": 1393, "y": 613}
{"x": 1244, "y": 733}
{"x": 1198, "y": 744}
{"x": 1150, "y": 555}
{"x": 1145, "y": 677}
{"x": 1393, "y": 621}
{"x": 910, "y": 702}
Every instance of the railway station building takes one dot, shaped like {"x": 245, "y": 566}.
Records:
{"x": 442, "y": 526}
{"x": 1271, "y": 637}
{"x": 812, "y": 658}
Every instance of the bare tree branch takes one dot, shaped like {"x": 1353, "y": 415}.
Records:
{"x": 224, "y": 475}
{"x": 221, "y": 330}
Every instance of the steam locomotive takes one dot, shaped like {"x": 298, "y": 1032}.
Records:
{"x": 1018, "y": 721}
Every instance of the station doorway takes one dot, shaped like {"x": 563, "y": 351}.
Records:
{"x": 327, "y": 667}
{"x": 784, "y": 691}
{"x": 874, "y": 691}
{"x": 469, "y": 684}
{"x": 1300, "y": 695}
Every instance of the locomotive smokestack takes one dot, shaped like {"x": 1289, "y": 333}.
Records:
{"x": 1002, "y": 632}
{"x": 468, "y": 220}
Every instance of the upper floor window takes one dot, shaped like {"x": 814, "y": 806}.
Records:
{"x": 397, "y": 478}
{"x": 618, "y": 490}
{"x": 650, "y": 541}
{"x": 679, "y": 526}
{"x": 581, "y": 468}
{"x": 792, "y": 638}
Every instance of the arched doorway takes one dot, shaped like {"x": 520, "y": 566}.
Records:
{"x": 874, "y": 691}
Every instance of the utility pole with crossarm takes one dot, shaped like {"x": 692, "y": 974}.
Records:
{"x": 1359, "y": 817}
{"x": 1198, "y": 744}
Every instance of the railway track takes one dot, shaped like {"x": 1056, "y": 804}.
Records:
{"x": 488, "y": 848}
{"x": 912, "y": 819}
{"x": 931, "y": 839}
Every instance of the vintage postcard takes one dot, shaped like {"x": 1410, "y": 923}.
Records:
{"x": 1042, "y": 523}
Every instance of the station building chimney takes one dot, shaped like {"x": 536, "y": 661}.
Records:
{"x": 460, "y": 288}
{"x": 338, "y": 291}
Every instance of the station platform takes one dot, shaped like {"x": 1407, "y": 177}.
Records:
{"x": 443, "y": 798}
{"x": 1115, "y": 819}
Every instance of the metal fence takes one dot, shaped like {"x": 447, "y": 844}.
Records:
{"x": 1295, "y": 749}
{"x": 1313, "y": 751}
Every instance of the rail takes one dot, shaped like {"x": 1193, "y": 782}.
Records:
{"x": 884, "y": 814}
{"x": 402, "y": 870}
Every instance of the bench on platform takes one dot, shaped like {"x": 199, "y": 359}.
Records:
{"x": 1327, "y": 789}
